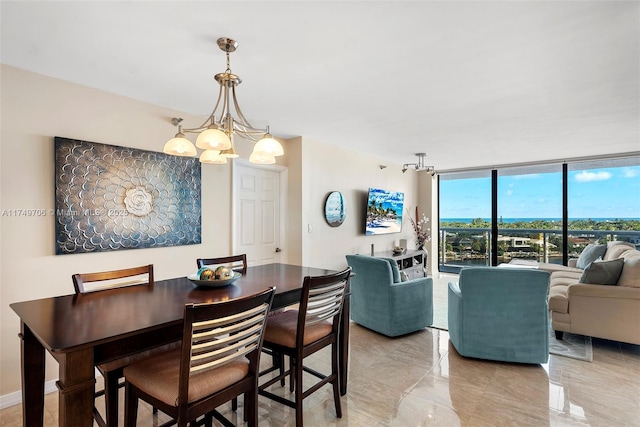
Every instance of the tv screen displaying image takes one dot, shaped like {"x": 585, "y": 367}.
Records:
{"x": 384, "y": 212}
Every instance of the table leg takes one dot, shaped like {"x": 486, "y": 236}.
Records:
{"x": 76, "y": 388}
{"x": 344, "y": 345}
{"x": 32, "y": 358}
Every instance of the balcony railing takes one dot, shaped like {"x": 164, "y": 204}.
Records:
{"x": 461, "y": 247}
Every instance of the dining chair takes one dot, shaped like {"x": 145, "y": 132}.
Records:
{"x": 235, "y": 262}
{"x": 219, "y": 360}
{"x": 298, "y": 333}
{"x": 112, "y": 371}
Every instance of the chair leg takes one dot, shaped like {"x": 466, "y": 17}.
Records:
{"x": 277, "y": 359}
{"x": 234, "y": 404}
{"x": 297, "y": 378}
{"x": 111, "y": 397}
{"x": 559, "y": 335}
{"x": 336, "y": 380}
{"x": 251, "y": 408}
{"x": 130, "y": 408}
{"x": 245, "y": 412}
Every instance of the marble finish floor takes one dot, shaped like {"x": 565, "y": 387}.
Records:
{"x": 420, "y": 380}
{"x": 440, "y": 298}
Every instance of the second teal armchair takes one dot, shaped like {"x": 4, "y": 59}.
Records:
{"x": 500, "y": 314}
{"x": 380, "y": 301}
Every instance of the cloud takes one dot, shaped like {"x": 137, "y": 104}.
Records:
{"x": 527, "y": 176}
{"x": 630, "y": 173}
{"x": 585, "y": 176}
{"x": 509, "y": 192}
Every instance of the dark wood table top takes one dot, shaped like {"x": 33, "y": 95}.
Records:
{"x": 71, "y": 322}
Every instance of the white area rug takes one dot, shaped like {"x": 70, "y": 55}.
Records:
{"x": 440, "y": 296}
{"x": 572, "y": 345}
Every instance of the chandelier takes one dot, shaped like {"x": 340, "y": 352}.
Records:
{"x": 216, "y": 134}
{"x": 420, "y": 166}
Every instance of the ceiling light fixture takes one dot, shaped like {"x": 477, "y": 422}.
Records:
{"x": 216, "y": 134}
{"x": 420, "y": 166}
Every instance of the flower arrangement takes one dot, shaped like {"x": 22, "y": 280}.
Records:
{"x": 421, "y": 229}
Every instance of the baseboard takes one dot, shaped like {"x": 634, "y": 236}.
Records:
{"x": 16, "y": 398}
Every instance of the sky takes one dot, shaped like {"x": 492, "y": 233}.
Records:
{"x": 593, "y": 193}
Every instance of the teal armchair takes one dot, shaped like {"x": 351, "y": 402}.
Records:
{"x": 380, "y": 301}
{"x": 500, "y": 314}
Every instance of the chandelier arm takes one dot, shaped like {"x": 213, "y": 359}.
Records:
{"x": 242, "y": 128}
{"x": 245, "y": 123}
{"x": 226, "y": 111}
{"x": 210, "y": 120}
{"x": 212, "y": 116}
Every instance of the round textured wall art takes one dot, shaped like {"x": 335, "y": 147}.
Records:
{"x": 335, "y": 210}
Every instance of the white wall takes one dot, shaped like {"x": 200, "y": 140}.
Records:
{"x": 36, "y": 108}
{"x": 328, "y": 169}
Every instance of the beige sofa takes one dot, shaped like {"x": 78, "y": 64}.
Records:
{"x": 604, "y": 311}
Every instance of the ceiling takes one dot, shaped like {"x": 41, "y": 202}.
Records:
{"x": 470, "y": 83}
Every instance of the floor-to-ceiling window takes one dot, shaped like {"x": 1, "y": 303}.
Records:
{"x": 529, "y": 207}
{"x": 542, "y": 212}
{"x": 465, "y": 219}
{"x": 603, "y": 202}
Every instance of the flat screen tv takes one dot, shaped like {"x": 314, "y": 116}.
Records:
{"x": 384, "y": 212}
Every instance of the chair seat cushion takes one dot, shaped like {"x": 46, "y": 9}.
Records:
{"x": 158, "y": 376}
{"x": 281, "y": 329}
{"x": 128, "y": 360}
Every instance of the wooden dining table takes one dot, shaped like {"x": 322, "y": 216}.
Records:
{"x": 81, "y": 331}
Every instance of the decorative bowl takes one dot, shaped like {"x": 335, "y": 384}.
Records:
{"x": 214, "y": 283}
{"x": 398, "y": 251}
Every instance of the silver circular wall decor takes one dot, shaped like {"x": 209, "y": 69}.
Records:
{"x": 335, "y": 210}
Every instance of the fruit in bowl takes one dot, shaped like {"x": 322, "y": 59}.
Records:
{"x": 206, "y": 274}
{"x": 398, "y": 250}
{"x": 223, "y": 273}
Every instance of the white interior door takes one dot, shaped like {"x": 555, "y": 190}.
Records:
{"x": 257, "y": 213}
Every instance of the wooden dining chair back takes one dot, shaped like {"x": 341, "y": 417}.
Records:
{"x": 219, "y": 360}
{"x": 301, "y": 332}
{"x": 112, "y": 370}
{"x": 92, "y": 282}
{"x": 235, "y": 262}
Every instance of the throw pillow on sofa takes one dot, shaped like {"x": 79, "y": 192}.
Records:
{"x": 591, "y": 253}
{"x": 631, "y": 271}
{"x": 603, "y": 272}
{"x": 617, "y": 251}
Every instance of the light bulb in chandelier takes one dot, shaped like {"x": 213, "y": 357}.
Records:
{"x": 262, "y": 158}
{"x": 180, "y": 146}
{"x": 212, "y": 157}
{"x": 229, "y": 153}
{"x": 213, "y": 138}
{"x": 269, "y": 146}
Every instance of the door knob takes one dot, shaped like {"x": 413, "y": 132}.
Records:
{"x": 278, "y": 250}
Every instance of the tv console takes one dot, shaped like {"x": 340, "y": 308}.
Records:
{"x": 412, "y": 262}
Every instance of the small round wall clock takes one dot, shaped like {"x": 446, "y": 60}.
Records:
{"x": 335, "y": 210}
